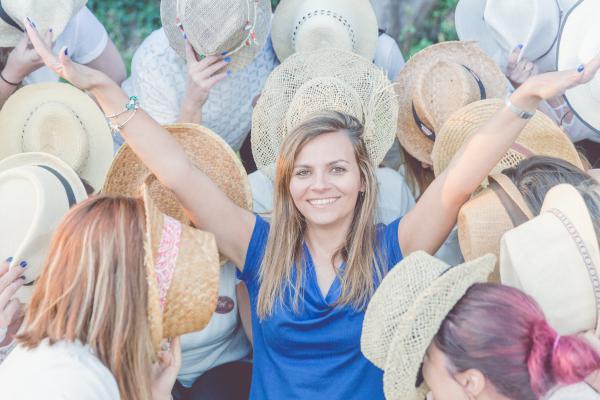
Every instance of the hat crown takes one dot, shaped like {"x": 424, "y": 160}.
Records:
{"x": 319, "y": 27}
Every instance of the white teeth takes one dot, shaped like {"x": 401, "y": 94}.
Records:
{"x": 322, "y": 202}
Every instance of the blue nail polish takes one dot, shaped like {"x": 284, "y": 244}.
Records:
{"x": 50, "y": 30}
{"x": 23, "y": 264}
{"x": 580, "y": 68}
{"x": 184, "y": 36}
{"x": 66, "y": 51}
{"x": 520, "y": 45}
{"x": 224, "y": 53}
{"x": 9, "y": 259}
{"x": 227, "y": 59}
{"x": 229, "y": 73}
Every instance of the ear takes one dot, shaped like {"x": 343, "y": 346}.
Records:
{"x": 473, "y": 381}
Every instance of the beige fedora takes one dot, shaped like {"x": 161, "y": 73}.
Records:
{"x": 540, "y": 137}
{"x": 207, "y": 151}
{"x": 59, "y": 119}
{"x": 485, "y": 218}
{"x": 579, "y": 42}
{"x": 436, "y": 82}
{"x": 54, "y": 14}
{"x": 36, "y": 191}
{"x": 183, "y": 274}
{"x": 239, "y": 28}
{"x": 555, "y": 259}
{"x": 406, "y": 312}
{"x": 326, "y": 79}
{"x": 306, "y": 25}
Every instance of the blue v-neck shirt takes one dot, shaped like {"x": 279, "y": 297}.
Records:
{"x": 313, "y": 353}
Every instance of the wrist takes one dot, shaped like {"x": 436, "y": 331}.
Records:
{"x": 12, "y": 74}
{"x": 524, "y": 99}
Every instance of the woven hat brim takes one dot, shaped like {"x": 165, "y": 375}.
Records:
{"x": 192, "y": 295}
{"x": 360, "y": 11}
{"x": 463, "y": 53}
{"x": 241, "y": 58}
{"x": 541, "y": 136}
{"x": 20, "y": 104}
{"x": 417, "y": 328}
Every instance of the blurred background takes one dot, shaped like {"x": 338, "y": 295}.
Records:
{"x": 415, "y": 24}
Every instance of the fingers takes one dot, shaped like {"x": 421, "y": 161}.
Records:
{"x": 13, "y": 310}
{"x": 190, "y": 53}
{"x": 208, "y": 70}
{"x": 513, "y": 58}
{"x": 5, "y": 299}
{"x": 176, "y": 352}
{"x": 48, "y": 38}
{"x": 4, "y": 266}
{"x": 11, "y": 275}
{"x": 22, "y": 44}
{"x": 215, "y": 79}
{"x": 39, "y": 44}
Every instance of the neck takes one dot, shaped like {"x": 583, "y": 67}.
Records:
{"x": 324, "y": 240}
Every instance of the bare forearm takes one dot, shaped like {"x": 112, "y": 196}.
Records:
{"x": 190, "y": 112}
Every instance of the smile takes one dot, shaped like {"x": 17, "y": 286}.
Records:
{"x": 323, "y": 202}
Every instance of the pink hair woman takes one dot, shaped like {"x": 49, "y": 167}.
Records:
{"x": 311, "y": 272}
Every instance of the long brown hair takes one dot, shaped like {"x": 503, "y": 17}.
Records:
{"x": 93, "y": 289}
{"x": 417, "y": 177}
{"x": 284, "y": 246}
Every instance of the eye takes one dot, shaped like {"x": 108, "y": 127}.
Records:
{"x": 302, "y": 172}
{"x": 338, "y": 170}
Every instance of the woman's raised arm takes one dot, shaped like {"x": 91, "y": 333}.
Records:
{"x": 208, "y": 207}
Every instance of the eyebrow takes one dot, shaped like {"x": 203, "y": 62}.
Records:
{"x": 328, "y": 164}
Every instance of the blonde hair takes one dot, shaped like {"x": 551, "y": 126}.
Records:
{"x": 93, "y": 289}
{"x": 284, "y": 245}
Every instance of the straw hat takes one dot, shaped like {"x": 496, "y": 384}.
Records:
{"x": 541, "y": 137}
{"x": 182, "y": 264}
{"x": 406, "y": 312}
{"x": 579, "y": 42}
{"x": 485, "y": 218}
{"x": 36, "y": 191}
{"x": 207, "y": 151}
{"x": 436, "y": 82}
{"x": 238, "y": 27}
{"x": 498, "y": 26}
{"x": 54, "y": 14}
{"x": 555, "y": 259}
{"x": 306, "y": 25}
{"x": 59, "y": 119}
{"x": 325, "y": 79}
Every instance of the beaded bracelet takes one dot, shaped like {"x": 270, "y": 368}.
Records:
{"x": 132, "y": 105}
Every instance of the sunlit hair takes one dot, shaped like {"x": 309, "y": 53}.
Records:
{"x": 93, "y": 290}
{"x": 502, "y": 332}
{"x": 284, "y": 251}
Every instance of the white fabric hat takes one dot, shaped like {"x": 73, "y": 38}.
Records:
{"x": 555, "y": 259}
{"x": 46, "y": 14}
{"x": 36, "y": 191}
{"x": 59, "y": 119}
{"x": 498, "y": 26}
{"x": 306, "y": 25}
{"x": 579, "y": 42}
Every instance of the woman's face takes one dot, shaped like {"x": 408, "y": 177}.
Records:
{"x": 326, "y": 181}
{"x": 441, "y": 382}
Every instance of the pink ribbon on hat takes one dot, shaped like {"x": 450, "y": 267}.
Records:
{"x": 166, "y": 259}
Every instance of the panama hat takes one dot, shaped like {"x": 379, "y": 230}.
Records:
{"x": 436, "y": 82}
{"x": 580, "y": 42}
{"x": 36, "y": 191}
{"x": 498, "y": 26}
{"x": 486, "y": 217}
{"x": 540, "y": 137}
{"x": 182, "y": 264}
{"x": 207, "y": 151}
{"x": 306, "y": 25}
{"x": 238, "y": 28}
{"x": 59, "y": 119}
{"x": 326, "y": 79}
{"x": 54, "y": 14}
{"x": 555, "y": 259}
{"x": 406, "y": 312}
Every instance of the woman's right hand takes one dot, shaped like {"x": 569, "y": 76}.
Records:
{"x": 10, "y": 308}
{"x": 166, "y": 370}
{"x": 23, "y": 59}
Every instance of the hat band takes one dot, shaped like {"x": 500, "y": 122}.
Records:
{"x": 516, "y": 215}
{"x": 585, "y": 256}
{"x": 430, "y": 133}
{"x": 6, "y": 18}
{"x": 166, "y": 259}
{"x": 327, "y": 13}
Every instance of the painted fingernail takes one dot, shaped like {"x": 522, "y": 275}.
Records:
{"x": 227, "y": 59}
{"x": 229, "y": 73}
{"x": 23, "y": 277}
{"x": 520, "y": 46}
{"x": 23, "y": 264}
{"x": 9, "y": 259}
{"x": 50, "y": 30}
{"x": 224, "y": 53}
{"x": 30, "y": 22}
{"x": 66, "y": 51}
{"x": 184, "y": 36}
{"x": 580, "y": 68}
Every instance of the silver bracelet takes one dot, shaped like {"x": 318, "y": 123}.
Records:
{"x": 520, "y": 113}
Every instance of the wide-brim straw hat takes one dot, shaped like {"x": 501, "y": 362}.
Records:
{"x": 498, "y": 26}
{"x": 555, "y": 259}
{"x": 406, "y": 312}
{"x": 540, "y": 137}
{"x": 36, "y": 191}
{"x": 306, "y": 25}
{"x": 436, "y": 82}
{"x": 54, "y": 14}
{"x": 486, "y": 217}
{"x": 206, "y": 150}
{"x": 326, "y": 79}
{"x": 579, "y": 42}
{"x": 239, "y": 28}
{"x": 182, "y": 264}
{"x": 59, "y": 119}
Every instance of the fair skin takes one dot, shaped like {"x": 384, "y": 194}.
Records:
{"x": 425, "y": 227}
{"x": 23, "y": 60}
{"x": 164, "y": 372}
{"x": 11, "y": 311}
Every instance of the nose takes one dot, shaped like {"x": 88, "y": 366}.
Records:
{"x": 321, "y": 182}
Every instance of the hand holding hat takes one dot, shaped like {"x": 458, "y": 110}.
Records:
{"x": 10, "y": 282}
{"x": 519, "y": 69}
{"x": 23, "y": 60}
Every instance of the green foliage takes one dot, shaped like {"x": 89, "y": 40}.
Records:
{"x": 437, "y": 27}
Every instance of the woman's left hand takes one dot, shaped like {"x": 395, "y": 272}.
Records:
{"x": 166, "y": 370}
